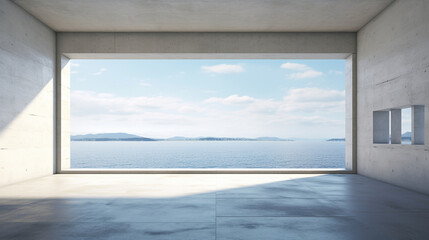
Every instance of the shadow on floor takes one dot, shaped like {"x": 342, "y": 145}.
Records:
{"x": 320, "y": 207}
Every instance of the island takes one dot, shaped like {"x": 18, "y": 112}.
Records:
{"x": 336, "y": 140}
{"x": 110, "y": 137}
{"x": 131, "y": 137}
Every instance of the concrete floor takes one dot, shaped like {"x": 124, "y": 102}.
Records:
{"x": 193, "y": 206}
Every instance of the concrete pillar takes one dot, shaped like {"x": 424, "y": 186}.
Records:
{"x": 380, "y": 127}
{"x": 351, "y": 107}
{"x": 63, "y": 114}
{"x": 418, "y": 125}
{"x": 395, "y": 128}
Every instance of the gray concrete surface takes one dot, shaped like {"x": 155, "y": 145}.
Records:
{"x": 27, "y": 70}
{"x": 204, "y": 16}
{"x": 418, "y": 124}
{"x": 380, "y": 125}
{"x": 393, "y": 72}
{"x": 351, "y": 118}
{"x": 207, "y": 45}
{"x": 62, "y": 110}
{"x": 177, "y": 206}
{"x": 396, "y": 126}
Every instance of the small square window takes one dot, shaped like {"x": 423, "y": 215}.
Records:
{"x": 399, "y": 126}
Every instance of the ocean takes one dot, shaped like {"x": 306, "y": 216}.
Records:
{"x": 207, "y": 154}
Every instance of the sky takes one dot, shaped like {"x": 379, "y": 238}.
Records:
{"x": 201, "y": 98}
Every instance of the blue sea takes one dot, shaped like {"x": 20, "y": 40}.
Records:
{"x": 208, "y": 154}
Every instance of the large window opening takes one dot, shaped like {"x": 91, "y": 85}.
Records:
{"x": 207, "y": 113}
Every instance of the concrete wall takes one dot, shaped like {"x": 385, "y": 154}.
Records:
{"x": 393, "y": 71}
{"x": 160, "y": 45}
{"x": 27, "y": 70}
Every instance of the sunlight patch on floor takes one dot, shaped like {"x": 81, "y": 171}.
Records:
{"x": 139, "y": 185}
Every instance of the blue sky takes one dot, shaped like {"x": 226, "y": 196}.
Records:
{"x": 221, "y": 98}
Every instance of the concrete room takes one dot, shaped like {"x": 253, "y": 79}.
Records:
{"x": 382, "y": 193}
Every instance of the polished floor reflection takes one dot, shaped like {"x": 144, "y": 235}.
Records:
{"x": 223, "y": 206}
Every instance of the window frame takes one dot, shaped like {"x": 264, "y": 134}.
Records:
{"x": 63, "y": 113}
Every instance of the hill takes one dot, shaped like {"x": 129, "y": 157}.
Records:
{"x": 109, "y": 137}
{"x": 131, "y": 137}
{"x": 336, "y": 140}
{"x": 406, "y": 135}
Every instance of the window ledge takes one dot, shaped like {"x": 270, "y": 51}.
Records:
{"x": 207, "y": 171}
{"x": 400, "y": 146}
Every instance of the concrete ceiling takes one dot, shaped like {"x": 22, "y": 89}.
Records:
{"x": 204, "y": 15}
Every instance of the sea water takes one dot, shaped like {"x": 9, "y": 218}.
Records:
{"x": 208, "y": 154}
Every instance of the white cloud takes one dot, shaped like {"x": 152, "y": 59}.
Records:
{"x": 233, "y": 99}
{"x": 306, "y": 74}
{"x": 144, "y": 84}
{"x": 314, "y": 100}
{"x": 265, "y": 107}
{"x": 320, "y": 112}
{"x": 314, "y": 95}
{"x": 308, "y": 122}
{"x": 309, "y": 100}
{"x": 89, "y": 103}
{"x": 74, "y": 72}
{"x": 101, "y": 71}
{"x": 223, "y": 68}
{"x": 189, "y": 109}
{"x": 146, "y": 116}
{"x": 295, "y": 66}
{"x": 75, "y": 64}
{"x": 302, "y": 71}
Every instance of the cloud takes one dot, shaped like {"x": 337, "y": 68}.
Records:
{"x": 75, "y": 64}
{"x": 308, "y": 121}
{"x": 88, "y": 103}
{"x": 302, "y": 71}
{"x": 233, "y": 99}
{"x": 74, "y": 72}
{"x": 189, "y": 109}
{"x": 146, "y": 116}
{"x": 309, "y": 100}
{"x": 314, "y": 100}
{"x": 223, "y": 68}
{"x": 306, "y": 74}
{"x": 144, "y": 84}
{"x": 295, "y": 66}
{"x": 301, "y": 112}
{"x": 314, "y": 95}
{"x": 101, "y": 71}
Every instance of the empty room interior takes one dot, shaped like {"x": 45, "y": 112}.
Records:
{"x": 228, "y": 119}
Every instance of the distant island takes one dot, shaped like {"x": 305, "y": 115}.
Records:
{"x": 226, "y": 139}
{"x": 109, "y": 137}
{"x": 131, "y": 137}
{"x": 406, "y": 136}
{"x": 336, "y": 140}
